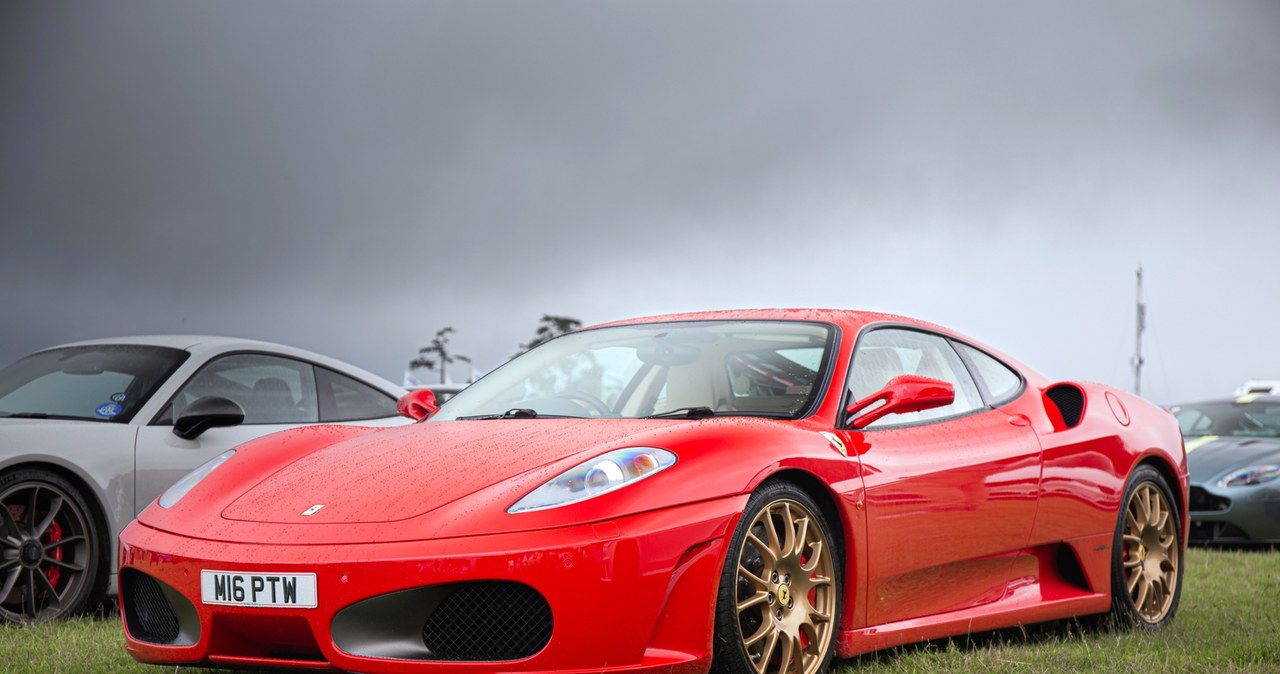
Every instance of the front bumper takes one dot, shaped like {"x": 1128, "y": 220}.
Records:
{"x": 1236, "y": 515}
{"x": 633, "y": 594}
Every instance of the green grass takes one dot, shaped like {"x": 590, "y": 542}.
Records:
{"x": 1229, "y": 621}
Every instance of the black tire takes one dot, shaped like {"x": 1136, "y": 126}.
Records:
{"x": 1146, "y": 553}
{"x": 51, "y": 561}
{"x": 781, "y": 624}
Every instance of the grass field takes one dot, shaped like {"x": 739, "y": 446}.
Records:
{"x": 1229, "y": 621}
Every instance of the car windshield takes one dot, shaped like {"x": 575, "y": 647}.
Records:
{"x": 1254, "y": 419}
{"x": 688, "y": 369}
{"x": 101, "y": 383}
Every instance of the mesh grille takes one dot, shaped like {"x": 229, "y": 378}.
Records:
{"x": 491, "y": 621}
{"x": 1070, "y": 403}
{"x": 147, "y": 612}
{"x": 1202, "y": 501}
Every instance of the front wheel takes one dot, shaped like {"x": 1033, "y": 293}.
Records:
{"x": 50, "y": 552}
{"x": 779, "y": 594}
{"x": 1146, "y": 563}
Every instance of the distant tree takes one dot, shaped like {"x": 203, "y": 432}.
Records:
{"x": 437, "y": 353}
{"x": 549, "y": 328}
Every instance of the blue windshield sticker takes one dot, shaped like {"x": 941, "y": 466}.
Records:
{"x": 108, "y": 410}
{"x": 118, "y": 397}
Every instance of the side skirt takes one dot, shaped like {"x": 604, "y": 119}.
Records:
{"x": 1048, "y": 583}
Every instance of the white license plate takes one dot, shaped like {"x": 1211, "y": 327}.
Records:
{"x": 283, "y": 590}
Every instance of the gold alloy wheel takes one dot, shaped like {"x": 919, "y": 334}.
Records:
{"x": 1150, "y": 552}
{"x": 785, "y": 590}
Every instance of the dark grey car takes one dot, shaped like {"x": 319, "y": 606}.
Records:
{"x": 1233, "y": 455}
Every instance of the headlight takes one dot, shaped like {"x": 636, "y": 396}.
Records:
{"x": 1253, "y": 475}
{"x": 600, "y": 475}
{"x": 180, "y": 488}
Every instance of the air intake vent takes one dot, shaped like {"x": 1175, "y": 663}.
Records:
{"x": 1069, "y": 400}
{"x": 1203, "y": 501}
{"x": 147, "y": 612}
{"x": 488, "y": 621}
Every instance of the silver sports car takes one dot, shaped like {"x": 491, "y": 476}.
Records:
{"x": 1233, "y": 455}
{"x": 92, "y": 432}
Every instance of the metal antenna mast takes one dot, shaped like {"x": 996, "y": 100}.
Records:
{"x": 1142, "y": 326}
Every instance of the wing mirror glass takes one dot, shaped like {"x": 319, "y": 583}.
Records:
{"x": 417, "y": 404}
{"x": 205, "y": 413}
{"x": 904, "y": 393}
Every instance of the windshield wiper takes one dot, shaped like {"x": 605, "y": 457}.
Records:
{"x": 513, "y": 413}
{"x": 699, "y": 412}
{"x": 45, "y": 415}
{"x": 518, "y": 413}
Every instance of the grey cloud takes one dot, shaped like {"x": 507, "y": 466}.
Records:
{"x": 350, "y": 177}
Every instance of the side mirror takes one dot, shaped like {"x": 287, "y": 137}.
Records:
{"x": 904, "y": 393}
{"x": 417, "y": 404}
{"x": 206, "y": 413}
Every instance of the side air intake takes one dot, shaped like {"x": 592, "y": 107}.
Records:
{"x": 1068, "y": 401}
{"x": 156, "y": 613}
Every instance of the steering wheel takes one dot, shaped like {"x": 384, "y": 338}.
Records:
{"x": 592, "y": 403}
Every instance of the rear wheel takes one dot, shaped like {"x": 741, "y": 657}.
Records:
{"x": 779, "y": 594}
{"x": 1146, "y": 565}
{"x": 50, "y": 552}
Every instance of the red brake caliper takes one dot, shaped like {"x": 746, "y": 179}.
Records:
{"x": 53, "y": 573}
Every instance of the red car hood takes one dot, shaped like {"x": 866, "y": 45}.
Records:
{"x": 398, "y": 474}
{"x": 457, "y": 478}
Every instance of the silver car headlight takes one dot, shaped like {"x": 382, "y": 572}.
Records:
{"x": 600, "y": 475}
{"x": 180, "y": 488}
{"x": 1251, "y": 476}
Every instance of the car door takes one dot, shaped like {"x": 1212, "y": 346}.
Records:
{"x": 275, "y": 393}
{"x": 950, "y": 492}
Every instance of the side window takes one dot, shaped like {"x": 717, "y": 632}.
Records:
{"x": 345, "y": 399}
{"x": 271, "y": 389}
{"x": 886, "y": 353}
{"x": 1193, "y": 422}
{"x": 1001, "y": 381}
{"x": 778, "y": 379}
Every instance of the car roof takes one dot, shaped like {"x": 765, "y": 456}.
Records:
{"x": 846, "y": 316}
{"x": 1237, "y": 400}
{"x": 210, "y": 344}
{"x": 184, "y": 342}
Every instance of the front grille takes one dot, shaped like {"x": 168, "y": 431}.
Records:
{"x": 488, "y": 621}
{"x": 1203, "y": 501}
{"x": 147, "y": 612}
{"x": 1217, "y": 532}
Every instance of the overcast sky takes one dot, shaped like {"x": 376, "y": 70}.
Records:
{"x": 350, "y": 177}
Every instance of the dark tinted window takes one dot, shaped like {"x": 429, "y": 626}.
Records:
{"x": 271, "y": 389}
{"x": 1254, "y": 419}
{"x": 345, "y": 399}
{"x": 102, "y": 383}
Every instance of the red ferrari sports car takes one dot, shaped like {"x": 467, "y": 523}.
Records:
{"x": 745, "y": 491}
